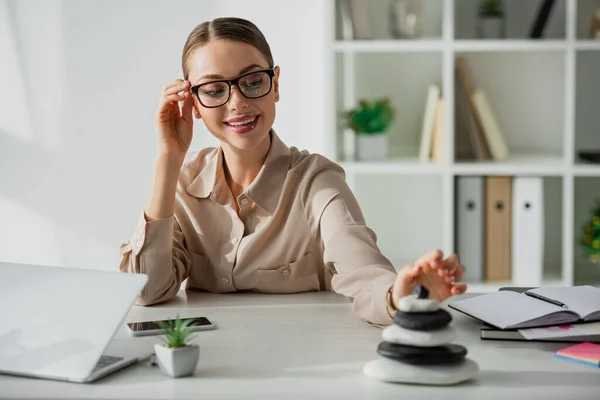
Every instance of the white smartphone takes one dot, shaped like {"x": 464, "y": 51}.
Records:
{"x": 151, "y": 327}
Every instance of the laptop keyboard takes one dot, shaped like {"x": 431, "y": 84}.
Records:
{"x": 106, "y": 361}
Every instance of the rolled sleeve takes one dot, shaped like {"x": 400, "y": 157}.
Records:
{"x": 361, "y": 272}
{"x": 156, "y": 249}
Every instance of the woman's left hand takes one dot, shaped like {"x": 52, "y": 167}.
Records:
{"x": 436, "y": 274}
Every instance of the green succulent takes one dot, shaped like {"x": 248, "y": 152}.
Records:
{"x": 177, "y": 333}
{"x": 370, "y": 117}
{"x": 590, "y": 239}
{"x": 491, "y": 8}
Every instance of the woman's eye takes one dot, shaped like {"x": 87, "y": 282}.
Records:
{"x": 253, "y": 84}
{"x": 212, "y": 93}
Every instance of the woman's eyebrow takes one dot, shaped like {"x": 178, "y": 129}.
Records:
{"x": 243, "y": 71}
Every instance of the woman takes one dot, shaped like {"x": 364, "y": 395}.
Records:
{"x": 254, "y": 214}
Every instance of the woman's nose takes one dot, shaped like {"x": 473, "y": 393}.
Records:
{"x": 237, "y": 101}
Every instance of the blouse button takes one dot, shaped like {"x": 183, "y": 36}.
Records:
{"x": 286, "y": 272}
{"x": 225, "y": 279}
{"x": 234, "y": 240}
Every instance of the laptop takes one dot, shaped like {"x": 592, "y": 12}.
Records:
{"x": 59, "y": 323}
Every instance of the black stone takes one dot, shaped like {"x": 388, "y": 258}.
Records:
{"x": 446, "y": 354}
{"x": 421, "y": 292}
{"x": 423, "y": 321}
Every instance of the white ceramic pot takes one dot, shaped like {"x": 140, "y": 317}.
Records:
{"x": 177, "y": 362}
{"x": 491, "y": 28}
{"x": 372, "y": 147}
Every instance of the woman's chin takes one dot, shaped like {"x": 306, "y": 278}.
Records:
{"x": 247, "y": 141}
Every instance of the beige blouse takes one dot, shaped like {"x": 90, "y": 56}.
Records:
{"x": 299, "y": 229}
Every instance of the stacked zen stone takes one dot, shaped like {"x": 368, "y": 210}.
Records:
{"x": 416, "y": 348}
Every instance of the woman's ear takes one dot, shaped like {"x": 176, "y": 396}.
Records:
{"x": 197, "y": 113}
{"x": 276, "y": 83}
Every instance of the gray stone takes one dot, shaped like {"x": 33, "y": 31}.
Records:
{"x": 388, "y": 370}
{"x": 399, "y": 335}
{"x": 412, "y": 304}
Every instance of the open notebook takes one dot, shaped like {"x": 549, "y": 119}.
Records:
{"x": 546, "y": 306}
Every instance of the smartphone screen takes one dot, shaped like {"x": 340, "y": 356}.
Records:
{"x": 153, "y": 325}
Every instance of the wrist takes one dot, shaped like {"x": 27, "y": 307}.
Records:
{"x": 169, "y": 159}
{"x": 390, "y": 302}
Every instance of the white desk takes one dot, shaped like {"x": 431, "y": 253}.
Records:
{"x": 312, "y": 346}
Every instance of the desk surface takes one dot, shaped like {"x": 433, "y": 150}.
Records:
{"x": 311, "y": 345}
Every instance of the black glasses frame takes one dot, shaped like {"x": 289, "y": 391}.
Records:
{"x": 230, "y": 82}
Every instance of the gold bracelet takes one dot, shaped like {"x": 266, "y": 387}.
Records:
{"x": 390, "y": 299}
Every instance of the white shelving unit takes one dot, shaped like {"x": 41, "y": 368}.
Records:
{"x": 546, "y": 94}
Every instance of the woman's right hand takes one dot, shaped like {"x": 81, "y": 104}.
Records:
{"x": 174, "y": 126}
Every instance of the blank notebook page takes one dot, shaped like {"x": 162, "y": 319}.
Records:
{"x": 505, "y": 308}
{"x": 583, "y": 300}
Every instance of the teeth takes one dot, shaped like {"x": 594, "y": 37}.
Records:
{"x": 243, "y": 122}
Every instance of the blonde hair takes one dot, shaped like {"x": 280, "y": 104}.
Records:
{"x": 227, "y": 28}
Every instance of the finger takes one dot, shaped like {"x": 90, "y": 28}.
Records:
{"x": 174, "y": 98}
{"x": 405, "y": 280}
{"x": 450, "y": 264}
{"x": 181, "y": 87}
{"x": 459, "y": 272}
{"x": 186, "y": 108}
{"x": 176, "y": 82}
{"x": 459, "y": 288}
{"x": 456, "y": 274}
{"x": 409, "y": 274}
{"x": 434, "y": 258}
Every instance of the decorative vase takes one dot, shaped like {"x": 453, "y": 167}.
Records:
{"x": 178, "y": 361}
{"x": 406, "y": 19}
{"x": 490, "y": 27}
{"x": 595, "y": 26}
{"x": 372, "y": 146}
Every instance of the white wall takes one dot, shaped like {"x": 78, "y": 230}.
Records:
{"x": 80, "y": 81}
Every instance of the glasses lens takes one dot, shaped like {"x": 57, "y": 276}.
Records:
{"x": 213, "y": 94}
{"x": 255, "y": 85}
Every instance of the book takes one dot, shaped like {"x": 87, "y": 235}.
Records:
{"x": 488, "y": 332}
{"x": 497, "y": 228}
{"x": 465, "y": 90}
{"x": 584, "y": 353}
{"x": 470, "y": 226}
{"x": 544, "y": 306}
{"x": 428, "y": 122}
{"x": 491, "y": 128}
{"x": 527, "y": 252}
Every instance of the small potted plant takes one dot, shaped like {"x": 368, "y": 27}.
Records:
{"x": 491, "y": 19}
{"x": 176, "y": 357}
{"x": 591, "y": 235}
{"x": 371, "y": 120}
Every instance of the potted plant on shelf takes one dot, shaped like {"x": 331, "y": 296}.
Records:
{"x": 591, "y": 235}
{"x": 490, "y": 19}
{"x": 371, "y": 120}
{"x": 176, "y": 357}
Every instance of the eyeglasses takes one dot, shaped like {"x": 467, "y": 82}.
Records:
{"x": 252, "y": 85}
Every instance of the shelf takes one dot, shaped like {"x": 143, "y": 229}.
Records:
{"x": 428, "y": 45}
{"x": 409, "y": 166}
{"x": 392, "y": 46}
{"x": 588, "y": 45}
{"x": 546, "y": 165}
{"x": 509, "y": 45}
{"x": 587, "y": 170}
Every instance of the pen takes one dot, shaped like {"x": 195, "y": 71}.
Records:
{"x": 540, "y": 297}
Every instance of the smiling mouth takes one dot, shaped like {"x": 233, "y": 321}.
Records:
{"x": 244, "y": 122}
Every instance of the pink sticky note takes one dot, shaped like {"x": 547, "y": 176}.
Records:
{"x": 582, "y": 351}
